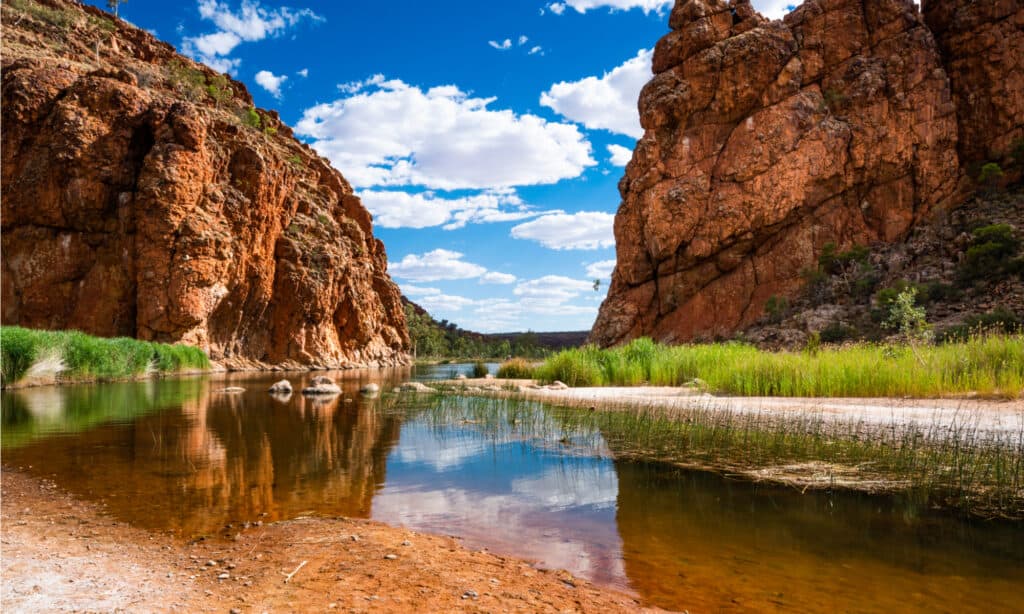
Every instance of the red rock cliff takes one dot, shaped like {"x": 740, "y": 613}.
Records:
{"x": 135, "y": 203}
{"x": 764, "y": 140}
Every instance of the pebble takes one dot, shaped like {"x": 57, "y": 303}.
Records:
{"x": 354, "y": 538}
{"x": 211, "y": 563}
{"x": 231, "y": 565}
{"x": 224, "y": 576}
{"x": 234, "y": 611}
{"x": 407, "y": 543}
{"x": 470, "y": 594}
{"x": 391, "y": 557}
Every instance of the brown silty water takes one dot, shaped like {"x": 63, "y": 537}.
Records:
{"x": 182, "y": 456}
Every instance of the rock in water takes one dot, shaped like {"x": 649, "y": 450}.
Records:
{"x": 370, "y": 389}
{"x": 136, "y": 203}
{"x": 281, "y": 387}
{"x": 765, "y": 140}
{"x": 416, "y": 387}
{"x": 321, "y": 385}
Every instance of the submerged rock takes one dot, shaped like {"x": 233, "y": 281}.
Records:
{"x": 370, "y": 389}
{"x": 232, "y": 390}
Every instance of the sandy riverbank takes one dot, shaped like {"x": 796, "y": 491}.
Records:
{"x": 63, "y": 554}
{"x": 1003, "y": 418}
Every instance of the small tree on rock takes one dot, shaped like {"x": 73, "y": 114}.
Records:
{"x": 114, "y": 4}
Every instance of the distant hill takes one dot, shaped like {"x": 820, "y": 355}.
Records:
{"x": 551, "y": 341}
{"x": 444, "y": 339}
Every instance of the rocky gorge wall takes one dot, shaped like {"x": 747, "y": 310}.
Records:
{"x": 849, "y": 121}
{"x": 143, "y": 195}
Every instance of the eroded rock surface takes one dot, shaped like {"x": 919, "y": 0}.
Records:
{"x": 135, "y": 203}
{"x": 765, "y": 140}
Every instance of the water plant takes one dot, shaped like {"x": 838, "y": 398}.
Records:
{"x": 515, "y": 368}
{"x": 984, "y": 364}
{"x": 956, "y": 465}
{"x": 76, "y": 355}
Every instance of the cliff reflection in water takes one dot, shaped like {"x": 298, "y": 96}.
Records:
{"x": 715, "y": 544}
{"x": 208, "y": 458}
{"x": 521, "y": 478}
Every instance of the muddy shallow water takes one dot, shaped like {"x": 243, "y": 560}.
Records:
{"x": 183, "y": 456}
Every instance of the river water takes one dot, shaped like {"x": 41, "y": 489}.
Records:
{"x": 182, "y": 456}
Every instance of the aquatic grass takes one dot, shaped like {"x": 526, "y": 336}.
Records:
{"x": 80, "y": 356}
{"x": 987, "y": 365}
{"x": 515, "y": 368}
{"x": 961, "y": 467}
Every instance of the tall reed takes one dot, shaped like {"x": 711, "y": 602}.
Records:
{"x": 962, "y": 467}
{"x": 72, "y": 354}
{"x": 988, "y": 365}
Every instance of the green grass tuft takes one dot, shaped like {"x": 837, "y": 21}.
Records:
{"x": 89, "y": 357}
{"x": 515, "y": 368}
{"x": 989, "y": 365}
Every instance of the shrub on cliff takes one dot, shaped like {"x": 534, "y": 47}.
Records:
{"x": 991, "y": 254}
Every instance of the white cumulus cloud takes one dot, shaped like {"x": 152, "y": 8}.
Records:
{"x": 410, "y": 290}
{"x": 389, "y": 133}
{"x": 397, "y": 209}
{"x": 607, "y": 102}
{"x": 619, "y": 155}
{"x": 601, "y": 269}
{"x": 503, "y": 45}
{"x": 494, "y": 277}
{"x": 251, "y": 22}
{"x": 435, "y": 265}
{"x": 583, "y": 230}
{"x": 553, "y": 287}
{"x": 582, "y": 6}
{"x": 271, "y": 82}
{"x": 774, "y": 9}
{"x": 535, "y": 50}
{"x": 303, "y": 73}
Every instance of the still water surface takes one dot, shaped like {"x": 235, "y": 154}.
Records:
{"x": 177, "y": 455}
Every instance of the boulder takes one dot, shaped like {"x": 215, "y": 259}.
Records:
{"x": 416, "y": 387}
{"x": 281, "y": 387}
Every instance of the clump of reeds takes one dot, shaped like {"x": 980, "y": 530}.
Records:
{"x": 959, "y": 466}
{"x": 480, "y": 369}
{"x": 987, "y": 365}
{"x": 515, "y": 368}
{"x": 73, "y": 355}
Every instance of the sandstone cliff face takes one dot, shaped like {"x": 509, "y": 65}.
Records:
{"x": 765, "y": 140}
{"x": 982, "y": 47}
{"x": 135, "y": 204}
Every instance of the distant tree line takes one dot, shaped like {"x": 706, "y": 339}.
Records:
{"x": 433, "y": 339}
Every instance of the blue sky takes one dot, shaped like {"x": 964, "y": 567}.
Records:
{"x": 487, "y": 138}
